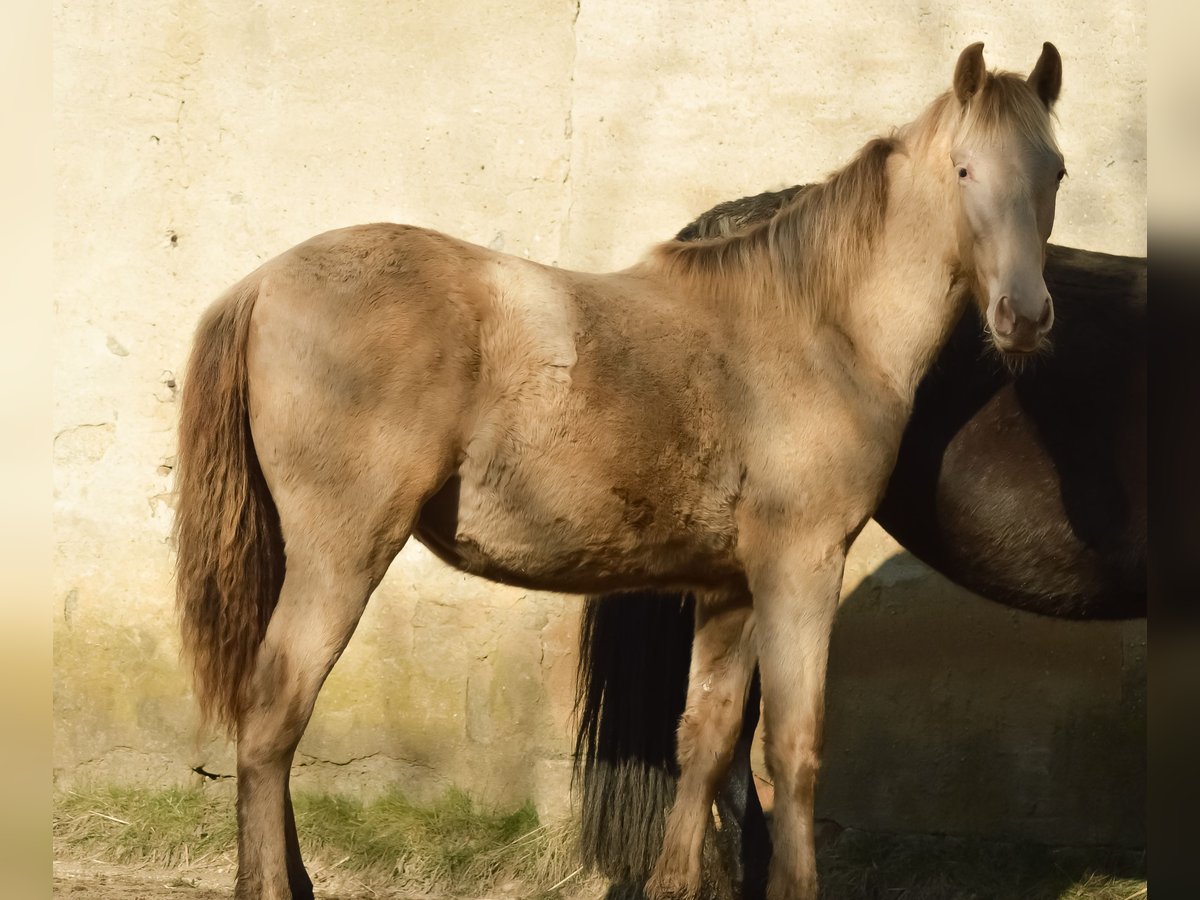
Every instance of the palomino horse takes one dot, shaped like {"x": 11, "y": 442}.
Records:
{"x": 1063, "y": 443}
{"x": 720, "y": 417}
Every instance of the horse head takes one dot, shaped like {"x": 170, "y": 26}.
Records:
{"x": 1008, "y": 168}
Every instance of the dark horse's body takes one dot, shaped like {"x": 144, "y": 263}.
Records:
{"x": 1026, "y": 488}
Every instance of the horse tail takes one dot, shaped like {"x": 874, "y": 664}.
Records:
{"x": 230, "y": 561}
{"x": 635, "y": 650}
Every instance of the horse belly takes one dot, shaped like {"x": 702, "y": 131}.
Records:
{"x": 552, "y": 524}
{"x": 573, "y": 539}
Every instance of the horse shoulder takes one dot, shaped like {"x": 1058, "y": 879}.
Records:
{"x": 819, "y": 463}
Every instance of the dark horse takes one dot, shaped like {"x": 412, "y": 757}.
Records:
{"x": 1025, "y": 487}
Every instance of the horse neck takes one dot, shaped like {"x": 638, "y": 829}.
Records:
{"x": 911, "y": 294}
{"x": 891, "y": 301}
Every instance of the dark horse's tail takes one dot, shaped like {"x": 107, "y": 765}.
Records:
{"x": 229, "y": 566}
{"x": 634, "y": 653}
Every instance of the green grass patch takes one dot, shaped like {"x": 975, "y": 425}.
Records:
{"x": 451, "y": 846}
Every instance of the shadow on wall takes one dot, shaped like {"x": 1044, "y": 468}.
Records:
{"x": 950, "y": 714}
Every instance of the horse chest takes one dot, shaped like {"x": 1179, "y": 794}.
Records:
{"x": 821, "y": 454}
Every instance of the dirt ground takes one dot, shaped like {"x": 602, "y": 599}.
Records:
{"x": 82, "y": 880}
{"x": 75, "y": 880}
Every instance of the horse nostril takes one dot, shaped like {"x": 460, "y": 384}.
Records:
{"x": 1047, "y": 317}
{"x": 1004, "y": 321}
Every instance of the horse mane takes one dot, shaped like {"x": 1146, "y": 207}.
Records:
{"x": 807, "y": 254}
{"x": 1003, "y": 104}
{"x": 811, "y": 252}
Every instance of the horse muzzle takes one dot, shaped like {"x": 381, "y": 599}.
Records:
{"x": 1017, "y": 328}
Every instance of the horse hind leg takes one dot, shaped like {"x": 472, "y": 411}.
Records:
{"x": 316, "y": 613}
{"x": 722, "y": 663}
{"x": 298, "y": 881}
{"x": 743, "y": 840}
{"x": 333, "y": 565}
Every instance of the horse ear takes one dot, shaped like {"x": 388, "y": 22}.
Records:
{"x": 1046, "y": 77}
{"x": 969, "y": 72}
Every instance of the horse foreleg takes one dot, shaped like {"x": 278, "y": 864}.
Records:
{"x": 795, "y": 601}
{"x": 722, "y": 661}
{"x": 318, "y": 608}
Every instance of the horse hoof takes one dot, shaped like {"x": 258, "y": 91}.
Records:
{"x": 826, "y": 833}
{"x": 672, "y": 886}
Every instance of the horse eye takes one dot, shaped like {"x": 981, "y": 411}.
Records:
{"x": 962, "y": 172}
{"x": 1062, "y": 173}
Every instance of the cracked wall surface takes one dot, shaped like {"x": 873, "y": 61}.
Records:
{"x": 196, "y": 140}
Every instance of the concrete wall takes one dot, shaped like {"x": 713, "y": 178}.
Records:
{"x": 196, "y": 138}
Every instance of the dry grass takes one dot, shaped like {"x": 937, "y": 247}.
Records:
{"x": 451, "y": 847}
{"x": 130, "y": 826}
